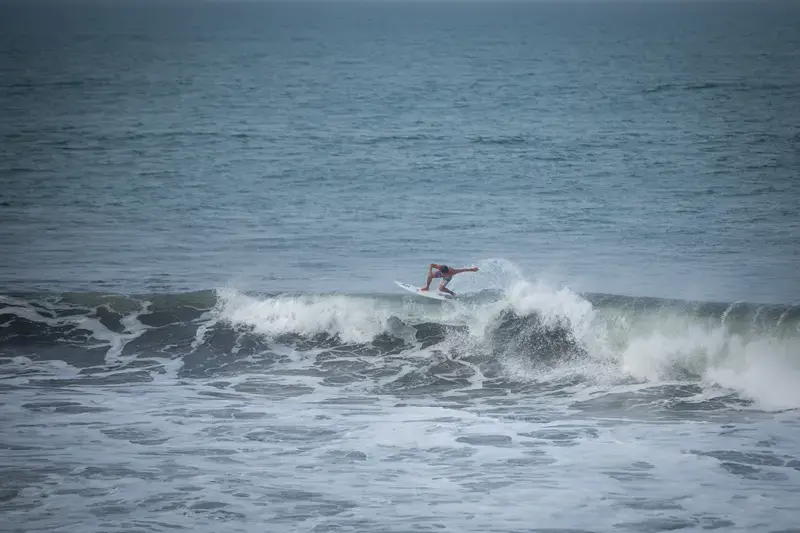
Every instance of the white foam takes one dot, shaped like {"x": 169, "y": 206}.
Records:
{"x": 555, "y": 306}
{"x": 763, "y": 369}
{"x": 651, "y": 346}
{"x": 352, "y": 319}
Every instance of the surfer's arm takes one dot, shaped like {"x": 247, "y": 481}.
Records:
{"x": 430, "y": 276}
{"x": 460, "y": 270}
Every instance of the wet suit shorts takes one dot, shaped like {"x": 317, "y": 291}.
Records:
{"x": 445, "y": 279}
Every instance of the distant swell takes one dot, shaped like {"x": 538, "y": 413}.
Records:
{"x": 403, "y": 138}
{"x": 503, "y": 141}
{"x": 732, "y": 86}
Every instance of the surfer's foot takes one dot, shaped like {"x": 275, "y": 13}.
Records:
{"x": 423, "y": 289}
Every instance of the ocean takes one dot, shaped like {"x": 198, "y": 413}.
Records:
{"x": 204, "y": 207}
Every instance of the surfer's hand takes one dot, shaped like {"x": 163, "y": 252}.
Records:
{"x": 474, "y": 269}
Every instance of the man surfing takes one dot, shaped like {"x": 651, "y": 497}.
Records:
{"x": 446, "y": 273}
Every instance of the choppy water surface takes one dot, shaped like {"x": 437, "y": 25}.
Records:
{"x": 203, "y": 209}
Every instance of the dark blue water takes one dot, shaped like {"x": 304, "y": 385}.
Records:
{"x": 204, "y": 206}
{"x": 628, "y": 148}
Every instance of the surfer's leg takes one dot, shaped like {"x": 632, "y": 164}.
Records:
{"x": 443, "y": 286}
{"x": 431, "y": 275}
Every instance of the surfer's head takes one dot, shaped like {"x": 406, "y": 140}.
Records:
{"x": 445, "y": 269}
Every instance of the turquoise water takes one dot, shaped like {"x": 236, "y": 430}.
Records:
{"x": 204, "y": 208}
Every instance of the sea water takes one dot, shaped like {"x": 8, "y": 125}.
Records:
{"x": 204, "y": 208}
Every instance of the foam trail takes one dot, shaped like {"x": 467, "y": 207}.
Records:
{"x": 132, "y": 327}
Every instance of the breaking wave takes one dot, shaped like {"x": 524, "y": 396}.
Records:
{"x": 515, "y": 332}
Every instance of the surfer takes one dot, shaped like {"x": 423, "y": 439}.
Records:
{"x": 446, "y": 273}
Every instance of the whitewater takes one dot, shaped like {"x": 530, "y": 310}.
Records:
{"x": 329, "y": 411}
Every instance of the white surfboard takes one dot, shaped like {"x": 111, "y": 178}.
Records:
{"x": 436, "y": 295}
